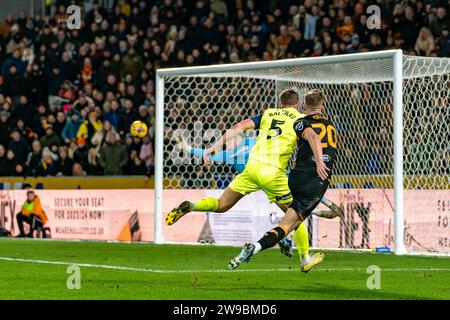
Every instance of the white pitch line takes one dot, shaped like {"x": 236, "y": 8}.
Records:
{"x": 103, "y": 266}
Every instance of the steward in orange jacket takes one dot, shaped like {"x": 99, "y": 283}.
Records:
{"x": 31, "y": 213}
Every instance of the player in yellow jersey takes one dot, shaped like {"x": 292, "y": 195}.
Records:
{"x": 306, "y": 186}
{"x": 266, "y": 167}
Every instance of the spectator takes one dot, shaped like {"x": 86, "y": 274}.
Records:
{"x": 36, "y": 125}
{"x": 439, "y": 21}
{"x": 146, "y": 152}
{"x": 127, "y": 117}
{"x": 353, "y": 47}
{"x": 298, "y": 47}
{"x": 132, "y": 144}
{"x": 113, "y": 156}
{"x": 19, "y": 146}
{"x": 112, "y": 113}
{"x": 66, "y": 92}
{"x": 72, "y": 126}
{"x": 283, "y": 40}
{"x": 346, "y": 29}
{"x": 64, "y": 164}
{"x": 34, "y": 159}
{"x": 23, "y": 111}
{"x": 16, "y": 61}
{"x": 409, "y": 28}
{"x": 87, "y": 72}
{"x": 80, "y": 154}
{"x": 88, "y": 129}
{"x": 55, "y": 79}
{"x": 425, "y": 42}
{"x": 144, "y": 115}
{"x": 77, "y": 170}
{"x": 444, "y": 44}
{"x": 59, "y": 123}
{"x": 318, "y": 50}
{"x": 14, "y": 83}
{"x": 3, "y": 162}
{"x": 5, "y": 125}
{"x": 48, "y": 165}
{"x": 98, "y": 140}
{"x": 68, "y": 72}
{"x": 93, "y": 167}
{"x": 311, "y": 23}
{"x": 220, "y": 8}
{"x": 50, "y": 137}
{"x": 132, "y": 63}
{"x": 138, "y": 167}
{"x": 106, "y": 78}
{"x": 5, "y": 27}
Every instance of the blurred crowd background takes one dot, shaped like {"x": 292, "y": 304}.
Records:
{"x": 67, "y": 98}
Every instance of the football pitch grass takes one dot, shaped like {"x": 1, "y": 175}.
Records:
{"x": 38, "y": 269}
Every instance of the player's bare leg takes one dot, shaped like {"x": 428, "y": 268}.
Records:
{"x": 285, "y": 244}
{"x": 300, "y": 235}
{"x": 208, "y": 204}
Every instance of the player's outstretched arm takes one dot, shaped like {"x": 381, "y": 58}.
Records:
{"x": 231, "y": 134}
{"x": 218, "y": 157}
{"x": 316, "y": 145}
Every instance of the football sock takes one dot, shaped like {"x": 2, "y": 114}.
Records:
{"x": 302, "y": 241}
{"x": 304, "y": 259}
{"x": 271, "y": 238}
{"x": 257, "y": 248}
{"x": 206, "y": 204}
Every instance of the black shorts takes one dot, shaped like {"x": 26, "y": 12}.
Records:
{"x": 307, "y": 190}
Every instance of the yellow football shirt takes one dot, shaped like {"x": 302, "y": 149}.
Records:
{"x": 267, "y": 163}
{"x": 276, "y": 139}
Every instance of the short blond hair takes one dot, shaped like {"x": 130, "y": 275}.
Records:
{"x": 289, "y": 97}
{"x": 314, "y": 99}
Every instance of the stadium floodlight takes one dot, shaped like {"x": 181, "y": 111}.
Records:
{"x": 392, "y": 115}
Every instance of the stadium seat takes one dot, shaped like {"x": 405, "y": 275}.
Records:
{"x": 6, "y": 186}
{"x": 368, "y": 185}
{"x": 39, "y": 185}
{"x": 342, "y": 185}
{"x": 18, "y": 185}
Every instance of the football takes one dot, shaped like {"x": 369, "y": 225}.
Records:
{"x": 138, "y": 129}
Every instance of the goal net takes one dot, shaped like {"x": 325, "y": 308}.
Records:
{"x": 392, "y": 173}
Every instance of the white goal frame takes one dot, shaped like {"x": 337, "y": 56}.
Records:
{"x": 397, "y": 80}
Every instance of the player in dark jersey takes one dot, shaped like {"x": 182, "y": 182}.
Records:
{"x": 307, "y": 185}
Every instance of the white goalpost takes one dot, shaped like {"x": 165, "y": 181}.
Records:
{"x": 392, "y": 176}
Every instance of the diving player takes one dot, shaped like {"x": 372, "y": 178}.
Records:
{"x": 236, "y": 156}
{"x": 267, "y": 163}
{"x": 307, "y": 188}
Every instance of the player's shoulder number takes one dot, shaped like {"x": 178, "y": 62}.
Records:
{"x": 327, "y": 134}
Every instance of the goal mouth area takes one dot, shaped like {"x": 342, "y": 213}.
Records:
{"x": 390, "y": 111}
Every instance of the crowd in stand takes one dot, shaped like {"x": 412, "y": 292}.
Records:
{"x": 68, "y": 97}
